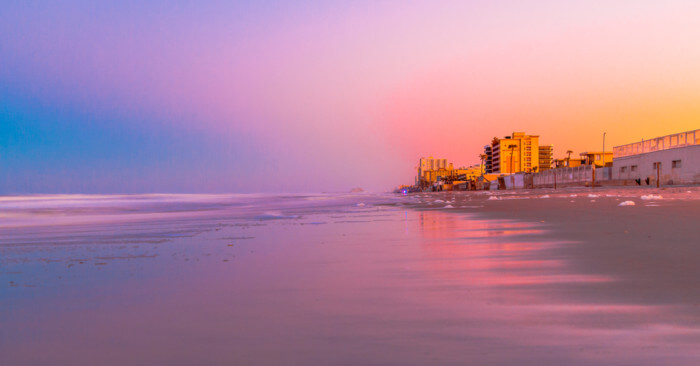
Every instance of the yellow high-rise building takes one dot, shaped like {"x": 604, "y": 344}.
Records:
{"x": 516, "y": 153}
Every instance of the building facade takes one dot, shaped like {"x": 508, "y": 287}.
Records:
{"x": 597, "y": 158}
{"x": 546, "y": 157}
{"x": 488, "y": 161}
{"x": 429, "y": 169}
{"x": 568, "y": 163}
{"x": 516, "y": 153}
{"x": 674, "y": 159}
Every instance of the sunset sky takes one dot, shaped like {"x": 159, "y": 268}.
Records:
{"x": 301, "y": 96}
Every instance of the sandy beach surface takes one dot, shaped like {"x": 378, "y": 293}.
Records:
{"x": 540, "y": 277}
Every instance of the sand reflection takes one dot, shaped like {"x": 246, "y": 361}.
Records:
{"x": 491, "y": 252}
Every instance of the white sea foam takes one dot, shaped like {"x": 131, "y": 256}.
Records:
{"x": 648, "y": 197}
{"x": 494, "y": 198}
{"x": 627, "y": 203}
{"x": 274, "y": 215}
{"x": 449, "y": 206}
{"x": 590, "y": 195}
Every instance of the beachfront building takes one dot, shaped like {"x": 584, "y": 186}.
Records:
{"x": 430, "y": 163}
{"x": 597, "y": 158}
{"x": 488, "y": 161}
{"x": 567, "y": 163}
{"x": 471, "y": 172}
{"x": 516, "y": 153}
{"x": 546, "y": 157}
{"x": 674, "y": 159}
{"x": 429, "y": 169}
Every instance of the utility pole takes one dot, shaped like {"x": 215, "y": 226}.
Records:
{"x": 604, "y": 148}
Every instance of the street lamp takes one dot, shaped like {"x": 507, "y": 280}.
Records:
{"x": 604, "y": 148}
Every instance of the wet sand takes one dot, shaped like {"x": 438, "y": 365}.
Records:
{"x": 527, "y": 278}
{"x": 653, "y": 247}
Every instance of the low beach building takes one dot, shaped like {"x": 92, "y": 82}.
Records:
{"x": 568, "y": 163}
{"x": 671, "y": 159}
{"x": 597, "y": 158}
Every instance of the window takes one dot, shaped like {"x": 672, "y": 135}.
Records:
{"x": 656, "y": 165}
{"x": 676, "y": 164}
{"x": 623, "y": 169}
{"x": 597, "y": 156}
{"x": 633, "y": 168}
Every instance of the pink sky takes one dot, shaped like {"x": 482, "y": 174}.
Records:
{"x": 356, "y": 93}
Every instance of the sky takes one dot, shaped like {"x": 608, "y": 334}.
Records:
{"x": 302, "y": 96}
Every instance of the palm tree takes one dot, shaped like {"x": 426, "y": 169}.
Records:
{"x": 511, "y": 147}
{"x": 483, "y": 157}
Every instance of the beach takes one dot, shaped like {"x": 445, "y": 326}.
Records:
{"x": 538, "y": 277}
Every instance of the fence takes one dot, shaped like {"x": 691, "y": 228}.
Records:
{"x": 659, "y": 143}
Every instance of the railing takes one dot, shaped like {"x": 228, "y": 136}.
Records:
{"x": 660, "y": 143}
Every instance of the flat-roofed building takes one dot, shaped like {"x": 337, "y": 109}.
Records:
{"x": 597, "y": 158}
{"x": 567, "y": 163}
{"x": 429, "y": 169}
{"x": 516, "y": 153}
{"x": 674, "y": 159}
{"x": 488, "y": 161}
{"x": 546, "y": 157}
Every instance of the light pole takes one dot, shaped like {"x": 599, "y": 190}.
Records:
{"x": 604, "y": 148}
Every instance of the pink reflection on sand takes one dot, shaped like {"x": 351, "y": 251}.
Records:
{"x": 485, "y": 252}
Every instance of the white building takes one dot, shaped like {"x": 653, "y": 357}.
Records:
{"x": 674, "y": 158}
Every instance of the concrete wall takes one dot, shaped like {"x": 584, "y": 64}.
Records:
{"x": 514, "y": 181}
{"x": 686, "y": 170}
{"x": 579, "y": 175}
